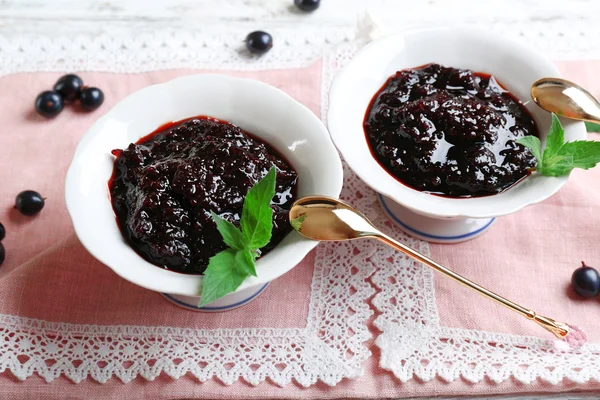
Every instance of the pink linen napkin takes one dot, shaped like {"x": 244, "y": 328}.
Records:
{"x": 530, "y": 256}
{"x": 48, "y": 275}
{"x": 44, "y": 257}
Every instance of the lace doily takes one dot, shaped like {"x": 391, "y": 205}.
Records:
{"x": 165, "y": 49}
{"x": 412, "y": 341}
{"x": 297, "y": 47}
{"x": 329, "y": 348}
{"x": 331, "y": 345}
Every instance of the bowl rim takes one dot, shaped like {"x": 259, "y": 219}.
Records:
{"x": 413, "y": 198}
{"x": 189, "y": 284}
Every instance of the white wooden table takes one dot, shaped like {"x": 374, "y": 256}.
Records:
{"x": 560, "y": 28}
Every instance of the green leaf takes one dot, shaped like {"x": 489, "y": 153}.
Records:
{"x": 592, "y": 127}
{"x": 245, "y": 262}
{"x": 585, "y": 154}
{"x": 221, "y": 277}
{"x": 227, "y": 270}
{"x": 257, "y": 214}
{"x": 555, "y": 138}
{"x": 557, "y": 166}
{"x": 232, "y": 236}
{"x": 297, "y": 222}
{"x": 560, "y": 158}
{"x": 533, "y": 144}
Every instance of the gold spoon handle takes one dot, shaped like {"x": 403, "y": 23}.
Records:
{"x": 559, "y": 329}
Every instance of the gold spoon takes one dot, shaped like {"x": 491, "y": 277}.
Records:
{"x": 326, "y": 219}
{"x": 565, "y": 98}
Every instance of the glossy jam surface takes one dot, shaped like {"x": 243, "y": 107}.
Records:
{"x": 449, "y": 131}
{"x": 165, "y": 186}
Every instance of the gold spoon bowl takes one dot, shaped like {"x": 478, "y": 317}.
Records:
{"x": 565, "y": 98}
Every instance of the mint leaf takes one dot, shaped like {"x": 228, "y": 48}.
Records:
{"x": 245, "y": 262}
{"x": 297, "y": 222}
{"x": 232, "y": 236}
{"x": 257, "y": 214}
{"x": 592, "y": 127}
{"x": 557, "y": 166}
{"x": 559, "y": 158}
{"x": 221, "y": 277}
{"x": 585, "y": 154}
{"x": 555, "y": 139}
{"x": 227, "y": 270}
{"x": 533, "y": 144}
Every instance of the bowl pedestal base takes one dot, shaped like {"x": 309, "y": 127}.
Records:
{"x": 226, "y": 303}
{"x": 436, "y": 230}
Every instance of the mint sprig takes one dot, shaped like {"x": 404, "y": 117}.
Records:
{"x": 559, "y": 158}
{"x": 228, "y": 269}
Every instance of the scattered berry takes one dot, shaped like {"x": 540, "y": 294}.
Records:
{"x": 2, "y": 253}
{"x": 49, "y": 104}
{"x": 586, "y": 281}
{"x": 307, "y": 5}
{"x": 2, "y": 232}
{"x": 69, "y": 87}
{"x": 259, "y": 42}
{"x": 91, "y": 98}
{"x": 29, "y": 202}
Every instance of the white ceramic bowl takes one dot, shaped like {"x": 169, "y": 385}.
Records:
{"x": 256, "y": 107}
{"x": 513, "y": 64}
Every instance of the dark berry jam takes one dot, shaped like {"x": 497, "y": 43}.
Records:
{"x": 164, "y": 187}
{"x": 449, "y": 131}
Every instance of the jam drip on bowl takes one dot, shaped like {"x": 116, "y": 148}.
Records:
{"x": 449, "y": 132}
{"x": 164, "y": 187}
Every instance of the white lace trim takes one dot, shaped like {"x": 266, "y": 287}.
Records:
{"x": 412, "y": 341}
{"x": 293, "y": 47}
{"x": 167, "y": 49}
{"x": 331, "y": 346}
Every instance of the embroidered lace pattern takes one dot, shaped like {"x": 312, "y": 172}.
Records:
{"x": 332, "y": 344}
